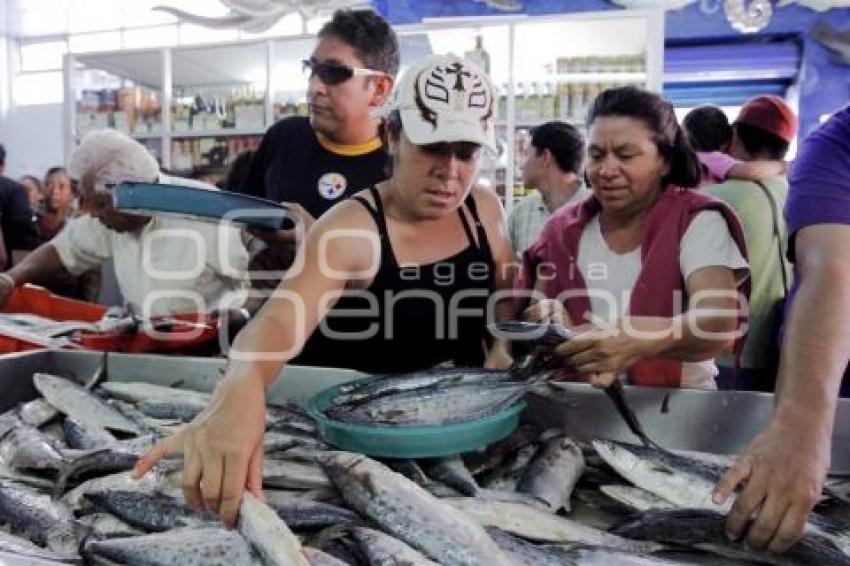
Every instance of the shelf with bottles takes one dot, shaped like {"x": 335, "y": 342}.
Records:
{"x": 202, "y": 110}
{"x": 189, "y": 154}
{"x": 135, "y": 111}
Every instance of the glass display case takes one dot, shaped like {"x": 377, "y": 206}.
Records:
{"x": 222, "y": 97}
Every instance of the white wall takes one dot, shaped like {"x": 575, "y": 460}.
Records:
{"x": 33, "y": 139}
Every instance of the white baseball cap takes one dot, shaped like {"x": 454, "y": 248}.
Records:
{"x": 444, "y": 98}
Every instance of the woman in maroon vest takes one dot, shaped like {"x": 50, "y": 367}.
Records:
{"x": 651, "y": 272}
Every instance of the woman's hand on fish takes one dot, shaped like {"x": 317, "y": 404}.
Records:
{"x": 602, "y": 353}
{"x": 222, "y": 449}
{"x": 784, "y": 468}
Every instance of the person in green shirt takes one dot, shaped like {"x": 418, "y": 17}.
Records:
{"x": 763, "y": 130}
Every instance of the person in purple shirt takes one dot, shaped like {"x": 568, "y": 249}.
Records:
{"x": 786, "y": 464}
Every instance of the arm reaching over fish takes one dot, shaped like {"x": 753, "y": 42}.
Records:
{"x": 786, "y": 465}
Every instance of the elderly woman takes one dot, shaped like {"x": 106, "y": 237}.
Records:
{"x": 647, "y": 269}
{"x": 158, "y": 270}
{"x": 425, "y": 249}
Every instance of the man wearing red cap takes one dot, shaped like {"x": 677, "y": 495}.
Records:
{"x": 763, "y": 130}
{"x": 785, "y": 466}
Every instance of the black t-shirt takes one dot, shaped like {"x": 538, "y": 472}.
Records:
{"x": 16, "y": 219}
{"x": 293, "y": 165}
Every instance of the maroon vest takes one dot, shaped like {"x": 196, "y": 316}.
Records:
{"x": 654, "y": 293}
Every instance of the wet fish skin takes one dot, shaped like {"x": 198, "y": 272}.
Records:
{"x": 524, "y": 553}
{"x": 138, "y": 392}
{"x": 403, "y": 509}
{"x": 268, "y": 534}
{"x": 409, "y": 469}
{"x": 25, "y": 448}
{"x": 362, "y": 390}
{"x": 382, "y": 549}
{"x": 506, "y": 476}
{"x": 41, "y": 519}
{"x": 707, "y": 530}
{"x": 173, "y": 410}
{"x": 86, "y": 437}
{"x": 211, "y": 546}
{"x": 534, "y": 524}
{"x": 106, "y": 525}
{"x": 157, "y": 480}
{"x": 306, "y": 514}
{"x": 436, "y": 406}
{"x": 289, "y": 474}
{"x": 153, "y": 513}
{"x": 318, "y": 557}
{"x": 73, "y": 400}
{"x": 452, "y": 472}
{"x": 553, "y": 473}
{"x": 25, "y": 549}
{"x": 37, "y": 412}
{"x": 104, "y": 461}
{"x": 494, "y": 454}
{"x": 636, "y": 498}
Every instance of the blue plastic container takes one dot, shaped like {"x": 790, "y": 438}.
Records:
{"x": 411, "y": 441}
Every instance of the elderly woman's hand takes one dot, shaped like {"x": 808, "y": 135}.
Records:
{"x": 603, "y": 353}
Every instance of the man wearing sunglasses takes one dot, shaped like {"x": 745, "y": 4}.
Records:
{"x": 316, "y": 161}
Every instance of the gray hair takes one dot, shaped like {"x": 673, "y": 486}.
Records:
{"x": 112, "y": 157}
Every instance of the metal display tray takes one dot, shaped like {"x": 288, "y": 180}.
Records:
{"x": 722, "y": 422}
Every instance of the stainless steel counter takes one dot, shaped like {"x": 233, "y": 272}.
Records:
{"x": 714, "y": 421}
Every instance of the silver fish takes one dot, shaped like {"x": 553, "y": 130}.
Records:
{"x": 299, "y": 513}
{"x": 41, "y": 519}
{"x": 37, "y": 412}
{"x": 151, "y": 512}
{"x": 635, "y": 498}
{"x": 689, "y": 483}
{"x": 86, "y": 437}
{"x": 452, "y": 472}
{"x": 138, "y": 392}
{"x": 24, "y": 548}
{"x": 496, "y": 453}
{"x": 706, "y": 530}
{"x": 553, "y": 473}
{"x": 268, "y": 534}
{"x": 382, "y": 549}
{"x": 293, "y": 475}
{"x": 107, "y": 460}
{"x": 25, "y": 448}
{"x": 179, "y": 409}
{"x": 73, "y": 400}
{"x": 396, "y": 383}
{"x": 318, "y": 557}
{"x": 211, "y": 546}
{"x": 157, "y": 480}
{"x": 405, "y": 510}
{"x": 534, "y": 524}
{"x": 437, "y": 406}
{"x": 522, "y": 552}
{"x": 506, "y": 476}
{"x": 106, "y": 525}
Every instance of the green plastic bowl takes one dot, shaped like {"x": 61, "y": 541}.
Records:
{"x": 411, "y": 441}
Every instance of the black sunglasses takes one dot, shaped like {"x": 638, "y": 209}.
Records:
{"x": 463, "y": 151}
{"x": 333, "y": 74}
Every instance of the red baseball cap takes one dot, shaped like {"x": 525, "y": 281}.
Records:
{"x": 770, "y": 113}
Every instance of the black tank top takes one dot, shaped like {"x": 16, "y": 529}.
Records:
{"x": 411, "y": 317}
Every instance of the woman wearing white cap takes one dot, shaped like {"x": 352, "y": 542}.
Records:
{"x": 418, "y": 256}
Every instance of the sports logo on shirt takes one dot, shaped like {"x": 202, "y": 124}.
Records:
{"x": 332, "y": 185}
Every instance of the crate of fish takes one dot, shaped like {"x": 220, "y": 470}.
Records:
{"x": 73, "y": 423}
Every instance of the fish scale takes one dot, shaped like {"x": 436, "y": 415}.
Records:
{"x": 75, "y": 401}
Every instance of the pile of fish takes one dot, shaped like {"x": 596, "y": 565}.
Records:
{"x": 535, "y": 498}
{"x": 431, "y": 397}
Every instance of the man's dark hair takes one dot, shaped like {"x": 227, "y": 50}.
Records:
{"x": 2, "y": 154}
{"x": 761, "y": 143}
{"x": 563, "y": 141}
{"x": 659, "y": 116}
{"x": 708, "y": 128}
{"x": 370, "y": 35}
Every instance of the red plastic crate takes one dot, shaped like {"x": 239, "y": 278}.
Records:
{"x": 190, "y": 333}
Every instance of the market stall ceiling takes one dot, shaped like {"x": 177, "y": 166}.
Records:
{"x": 207, "y": 66}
